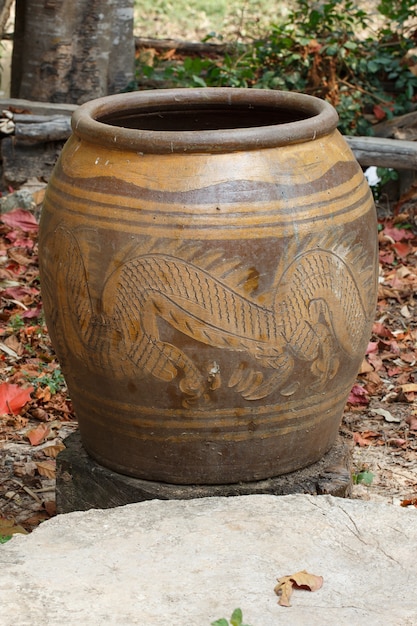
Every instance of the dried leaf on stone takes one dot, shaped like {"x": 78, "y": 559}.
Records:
{"x": 300, "y": 580}
{"x": 54, "y": 450}
{"x": 9, "y": 527}
{"x": 46, "y": 468}
{"x": 409, "y": 502}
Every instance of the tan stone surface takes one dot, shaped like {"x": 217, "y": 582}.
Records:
{"x": 191, "y": 562}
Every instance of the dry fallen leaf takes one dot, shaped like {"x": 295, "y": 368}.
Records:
{"x": 366, "y": 438}
{"x": 9, "y": 527}
{"x": 53, "y": 450}
{"x": 412, "y": 422}
{"x": 13, "y": 398}
{"x": 409, "y": 502}
{"x": 38, "y": 434}
{"x": 409, "y": 387}
{"x": 358, "y": 396}
{"x": 300, "y": 580}
{"x": 46, "y": 468}
{"x": 21, "y": 218}
{"x": 388, "y": 417}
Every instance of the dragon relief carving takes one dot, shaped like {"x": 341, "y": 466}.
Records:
{"x": 315, "y": 311}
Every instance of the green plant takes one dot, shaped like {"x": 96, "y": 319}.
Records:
{"x": 5, "y": 538}
{"x": 16, "y": 322}
{"x": 364, "y": 476}
{"x": 398, "y": 11}
{"x": 322, "y": 50}
{"x": 53, "y": 379}
{"x": 235, "y": 620}
{"x": 327, "y": 49}
{"x": 385, "y": 175}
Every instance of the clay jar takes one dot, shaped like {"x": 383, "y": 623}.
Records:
{"x": 208, "y": 262}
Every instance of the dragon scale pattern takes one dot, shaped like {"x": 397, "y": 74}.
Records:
{"x": 316, "y": 311}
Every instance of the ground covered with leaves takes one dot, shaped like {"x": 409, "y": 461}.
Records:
{"x": 36, "y": 415}
{"x": 35, "y": 412}
{"x": 381, "y": 414}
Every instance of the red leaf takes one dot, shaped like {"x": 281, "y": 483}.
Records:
{"x": 397, "y": 234}
{"x": 365, "y": 438}
{"x": 31, "y": 313}
{"x": 386, "y": 256}
{"x": 376, "y": 362}
{"x": 402, "y": 249}
{"x": 409, "y": 502}
{"x": 381, "y": 331}
{"x": 13, "y": 398}
{"x": 20, "y": 218}
{"x": 379, "y": 112}
{"x": 16, "y": 238}
{"x": 15, "y": 293}
{"x": 358, "y": 395}
{"x": 372, "y": 347}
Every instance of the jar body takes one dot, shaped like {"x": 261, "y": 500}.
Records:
{"x": 210, "y": 310}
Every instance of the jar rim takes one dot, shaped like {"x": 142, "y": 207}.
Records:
{"x": 320, "y": 118}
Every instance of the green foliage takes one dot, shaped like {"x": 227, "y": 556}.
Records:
{"x": 365, "y": 477}
{"x": 235, "y": 620}
{"x": 398, "y": 11}
{"x": 385, "y": 175}
{"x": 321, "y": 48}
{"x": 4, "y": 538}
{"x": 53, "y": 379}
{"x": 16, "y": 322}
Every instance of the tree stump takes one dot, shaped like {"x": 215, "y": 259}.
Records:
{"x": 83, "y": 484}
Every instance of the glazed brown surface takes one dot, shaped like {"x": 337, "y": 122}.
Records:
{"x": 210, "y": 308}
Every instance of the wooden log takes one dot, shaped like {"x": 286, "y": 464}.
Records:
{"x": 37, "y": 108}
{"x": 399, "y": 127}
{"x": 52, "y": 129}
{"x": 186, "y": 47}
{"x": 82, "y": 483}
{"x": 30, "y": 118}
{"x": 384, "y": 152}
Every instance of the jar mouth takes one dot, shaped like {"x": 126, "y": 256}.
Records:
{"x": 203, "y": 120}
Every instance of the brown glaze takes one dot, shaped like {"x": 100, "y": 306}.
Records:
{"x": 208, "y": 265}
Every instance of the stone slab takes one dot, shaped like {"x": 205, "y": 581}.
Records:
{"x": 190, "y": 562}
{"x": 82, "y": 483}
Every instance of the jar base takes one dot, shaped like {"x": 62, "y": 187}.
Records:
{"x": 82, "y": 483}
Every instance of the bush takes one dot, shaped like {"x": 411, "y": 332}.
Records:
{"x": 329, "y": 50}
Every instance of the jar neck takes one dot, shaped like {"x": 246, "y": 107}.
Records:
{"x": 203, "y": 120}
